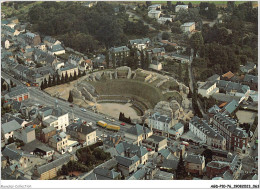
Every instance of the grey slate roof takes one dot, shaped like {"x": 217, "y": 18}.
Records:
{"x": 119, "y": 49}
{"x": 214, "y": 109}
{"x": 158, "y": 50}
{"x": 16, "y": 91}
{"x": 138, "y": 175}
{"x": 214, "y": 77}
{"x": 125, "y": 161}
{"x": 56, "y": 163}
{"x": 105, "y": 174}
{"x": 13, "y": 153}
{"x": 207, "y": 85}
{"x": 231, "y": 106}
{"x": 133, "y": 149}
{"x": 180, "y": 56}
{"x": 10, "y": 126}
{"x": 8, "y": 117}
{"x": 203, "y": 126}
{"x": 68, "y": 67}
{"x": 231, "y": 86}
{"x": 136, "y": 130}
{"x": 230, "y": 125}
{"x": 197, "y": 159}
{"x": 157, "y": 138}
{"x": 80, "y": 128}
{"x": 162, "y": 118}
{"x": 251, "y": 78}
{"x": 56, "y": 48}
{"x": 170, "y": 164}
{"x": 49, "y": 39}
{"x": 140, "y": 41}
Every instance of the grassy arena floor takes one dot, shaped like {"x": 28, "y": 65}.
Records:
{"x": 150, "y": 95}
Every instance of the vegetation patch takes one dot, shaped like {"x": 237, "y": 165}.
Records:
{"x": 173, "y": 96}
{"x": 141, "y": 91}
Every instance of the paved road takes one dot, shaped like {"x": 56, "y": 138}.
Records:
{"x": 41, "y": 97}
{"x": 191, "y": 82}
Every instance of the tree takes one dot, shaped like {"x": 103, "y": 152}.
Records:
{"x": 79, "y": 73}
{"x": 71, "y": 77}
{"x": 148, "y": 3}
{"x": 66, "y": 77}
{"x": 142, "y": 59}
{"x": 45, "y": 83}
{"x": 75, "y": 76}
{"x": 42, "y": 86}
{"x": 165, "y": 36}
{"x": 147, "y": 60}
{"x": 181, "y": 173}
{"x": 54, "y": 82}
{"x": 190, "y": 5}
{"x": 84, "y": 72}
{"x": 70, "y": 99}
{"x": 176, "y": 27}
{"x": 169, "y": 4}
{"x": 196, "y": 41}
{"x": 107, "y": 58}
{"x": 62, "y": 79}
{"x": 113, "y": 60}
{"x": 49, "y": 81}
{"x": 180, "y": 72}
{"x": 58, "y": 80}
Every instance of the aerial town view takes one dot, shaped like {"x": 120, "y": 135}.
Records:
{"x": 129, "y": 90}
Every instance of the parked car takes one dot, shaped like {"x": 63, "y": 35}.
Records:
{"x": 254, "y": 147}
{"x": 112, "y": 120}
{"x": 90, "y": 123}
{"x": 83, "y": 109}
{"x": 123, "y": 124}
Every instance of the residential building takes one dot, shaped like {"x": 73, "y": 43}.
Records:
{"x": 155, "y": 65}
{"x": 214, "y": 77}
{"x": 188, "y": 27}
{"x": 7, "y": 129}
{"x": 32, "y": 38}
{"x": 216, "y": 168}
{"x": 250, "y": 66}
{"x": 140, "y": 44}
{"x": 54, "y": 117}
{"x": 163, "y": 20}
{"x": 49, "y": 170}
{"x": 119, "y": 52}
{"x": 101, "y": 173}
{"x": 157, "y": 51}
{"x": 137, "y": 133}
{"x": 59, "y": 142}
{"x": 227, "y": 76}
{"x": 111, "y": 141}
{"x": 161, "y": 123}
{"x": 180, "y": 58}
{"x": 195, "y": 164}
{"x": 18, "y": 93}
{"x": 70, "y": 69}
{"x": 234, "y": 89}
{"x": 236, "y": 138}
{"x": 127, "y": 165}
{"x": 49, "y": 41}
{"x": 75, "y": 60}
{"x": 230, "y": 107}
{"x": 169, "y": 164}
{"x": 47, "y": 133}
{"x": 179, "y": 7}
{"x": 129, "y": 150}
{"x": 57, "y": 49}
{"x": 100, "y": 61}
{"x": 156, "y": 143}
{"x": 85, "y": 134}
{"x": 206, "y": 133}
{"x": 155, "y": 7}
{"x": 26, "y": 135}
{"x": 208, "y": 88}
{"x": 177, "y": 130}
{"x": 251, "y": 81}
{"x": 154, "y": 14}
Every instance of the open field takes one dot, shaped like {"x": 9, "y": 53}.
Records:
{"x": 113, "y": 110}
{"x": 246, "y": 116}
{"x": 149, "y": 94}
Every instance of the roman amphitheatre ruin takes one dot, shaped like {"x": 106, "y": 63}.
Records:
{"x": 135, "y": 93}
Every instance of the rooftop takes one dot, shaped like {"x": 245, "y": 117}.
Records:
{"x": 10, "y": 126}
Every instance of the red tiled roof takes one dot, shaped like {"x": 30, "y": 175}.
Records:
{"x": 228, "y": 75}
